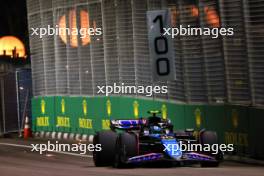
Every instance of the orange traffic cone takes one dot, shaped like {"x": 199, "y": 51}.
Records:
{"x": 27, "y": 130}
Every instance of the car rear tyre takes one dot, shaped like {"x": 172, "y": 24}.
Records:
{"x": 210, "y": 137}
{"x": 106, "y": 156}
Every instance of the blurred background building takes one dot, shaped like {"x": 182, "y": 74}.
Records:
{"x": 227, "y": 69}
{"x": 15, "y": 73}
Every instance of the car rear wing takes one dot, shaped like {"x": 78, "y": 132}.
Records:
{"x": 127, "y": 124}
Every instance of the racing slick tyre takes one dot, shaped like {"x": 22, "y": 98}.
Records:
{"x": 126, "y": 147}
{"x": 210, "y": 137}
{"x": 106, "y": 156}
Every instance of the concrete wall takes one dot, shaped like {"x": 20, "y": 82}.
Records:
{"x": 86, "y": 115}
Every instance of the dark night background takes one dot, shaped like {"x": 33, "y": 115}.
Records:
{"x": 13, "y": 17}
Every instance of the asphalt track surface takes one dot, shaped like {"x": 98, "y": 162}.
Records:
{"x": 16, "y": 159}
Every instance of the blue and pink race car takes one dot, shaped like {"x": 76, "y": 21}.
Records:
{"x": 152, "y": 139}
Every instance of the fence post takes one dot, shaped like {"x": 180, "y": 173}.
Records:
{"x": 3, "y": 104}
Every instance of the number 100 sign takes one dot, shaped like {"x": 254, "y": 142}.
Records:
{"x": 161, "y": 48}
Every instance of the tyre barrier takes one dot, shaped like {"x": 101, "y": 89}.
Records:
{"x": 64, "y": 136}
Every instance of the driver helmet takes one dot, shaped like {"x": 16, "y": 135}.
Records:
{"x": 155, "y": 129}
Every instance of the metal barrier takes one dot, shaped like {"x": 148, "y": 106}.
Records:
{"x": 15, "y": 90}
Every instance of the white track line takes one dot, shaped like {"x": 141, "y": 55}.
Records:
{"x": 30, "y": 147}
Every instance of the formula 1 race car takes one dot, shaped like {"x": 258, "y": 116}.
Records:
{"x": 138, "y": 141}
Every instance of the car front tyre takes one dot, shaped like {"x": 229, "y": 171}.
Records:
{"x": 106, "y": 156}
